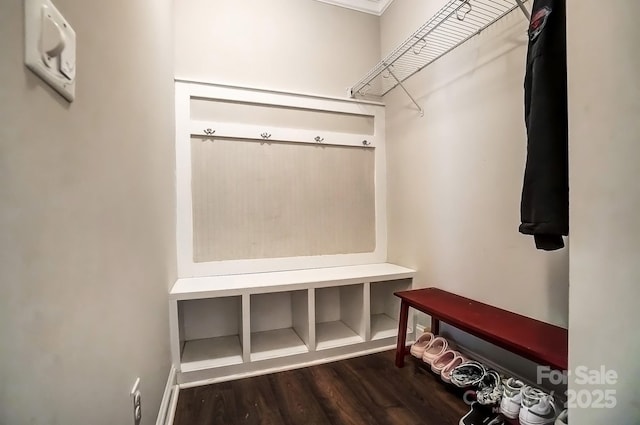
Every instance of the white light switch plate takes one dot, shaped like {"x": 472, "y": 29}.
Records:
{"x": 50, "y": 46}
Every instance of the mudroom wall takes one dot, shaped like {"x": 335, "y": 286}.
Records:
{"x": 604, "y": 105}
{"x": 87, "y": 219}
{"x": 288, "y": 45}
{"x": 455, "y": 174}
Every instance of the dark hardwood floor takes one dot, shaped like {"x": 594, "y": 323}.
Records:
{"x": 365, "y": 390}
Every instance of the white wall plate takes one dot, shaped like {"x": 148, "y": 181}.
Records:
{"x": 50, "y": 46}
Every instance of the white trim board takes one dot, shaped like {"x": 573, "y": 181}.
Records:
{"x": 169, "y": 400}
{"x": 187, "y": 267}
{"x": 374, "y": 7}
{"x": 205, "y": 82}
{"x": 231, "y": 285}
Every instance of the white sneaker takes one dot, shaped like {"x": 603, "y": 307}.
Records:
{"x": 537, "y": 407}
{"x": 563, "y": 418}
{"x": 511, "y": 398}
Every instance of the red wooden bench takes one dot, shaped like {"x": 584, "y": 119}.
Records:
{"x": 532, "y": 339}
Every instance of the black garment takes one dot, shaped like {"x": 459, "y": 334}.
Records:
{"x": 544, "y": 208}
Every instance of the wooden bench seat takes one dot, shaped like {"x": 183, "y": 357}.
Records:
{"x": 532, "y": 339}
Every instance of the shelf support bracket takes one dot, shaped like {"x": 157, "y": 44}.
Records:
{"x": 524, "y": 9}
{"x": 405, "y": 90}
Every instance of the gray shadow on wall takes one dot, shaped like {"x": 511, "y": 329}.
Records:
{"x": 558, "y": 286}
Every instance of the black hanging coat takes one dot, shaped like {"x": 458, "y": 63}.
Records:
{"x": 544, "y": 207}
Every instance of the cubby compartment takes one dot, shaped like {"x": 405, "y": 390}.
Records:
{"x": 339, "y": 316}
{"x": 210, "y": 332}
{"x": 385, "y": 308}
{"x": 279, "y": 324}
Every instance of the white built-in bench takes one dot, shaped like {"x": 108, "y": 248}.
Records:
{"x": 225, "y": 327}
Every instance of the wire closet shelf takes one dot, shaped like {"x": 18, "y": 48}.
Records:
{"x": 455, "y": 23}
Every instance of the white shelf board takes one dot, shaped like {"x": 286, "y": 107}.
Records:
{"x": 383, "y": 326}
{"x": 215, "y": 286}
{"x": 335, "y": 334}
{"x": 276, "y": 343}
{"x": 207, "y": 353}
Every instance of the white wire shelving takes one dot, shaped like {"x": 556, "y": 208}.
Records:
{"x": 455, "y": 23}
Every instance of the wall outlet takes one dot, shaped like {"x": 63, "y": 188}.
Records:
{"x": 136, "y": 398}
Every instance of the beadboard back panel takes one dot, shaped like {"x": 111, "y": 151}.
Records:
{"x": 255, "y": 200}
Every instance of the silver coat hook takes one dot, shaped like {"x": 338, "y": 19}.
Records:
{"x": 366, "y": 143}
{"x": 464, "y": 15}
{"x": 419, "y": 49}
{"x": 209, "y": 132}
{"x": 319, "y": 139}
{"x": 388, "y": 69}
{"x": 265, "y": 135}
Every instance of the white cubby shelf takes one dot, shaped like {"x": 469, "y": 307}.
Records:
{"x": 232, "y": 326}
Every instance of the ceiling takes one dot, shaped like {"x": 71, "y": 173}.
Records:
{"x": 375, "y": 7}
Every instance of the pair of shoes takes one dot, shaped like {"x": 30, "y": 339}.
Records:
{"x": 428, "y": 347}
{"x": 530, "y": 405}
{"x": 563, "y": 418}
{"x": 538, "y": 407}
{"x": 475, "y": 374}
{"x": 468, "y": 374}
{"x": 417, "y": 349}
{"x": 490, "y": 389}
{"x": 511, "y": 398}
{"x": 448, "y": 361}
{"x": 437, "y": 347}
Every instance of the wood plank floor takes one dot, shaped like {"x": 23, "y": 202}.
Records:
{"x": 365, "y": 390}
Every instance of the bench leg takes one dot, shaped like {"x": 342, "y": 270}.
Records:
{"x": 402, "y": 334}
{"x": 435, "y": 326}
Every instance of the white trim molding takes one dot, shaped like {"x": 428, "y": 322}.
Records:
{"x": 374, "y": 7}
{"x": 186, "y": 127}
{"x": 169, "y": 399}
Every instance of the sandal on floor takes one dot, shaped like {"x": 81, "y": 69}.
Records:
{"x": 438, "y": 346}
{"x": 417, "y": 349}
{"x": 445, "y": 375}
{"x": 443, "y": 360}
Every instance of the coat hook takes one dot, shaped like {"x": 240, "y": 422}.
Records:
{"x": 265, "y": 135}
{"x": 388, "y": 68}
{"x": 319, "y": 139}
{"x": 419, "y": 50}
{"x": 209, "y": 132}
{"x": 366, "y": 143}
{"x": 464, "y": 15}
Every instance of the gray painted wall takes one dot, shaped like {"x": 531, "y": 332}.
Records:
{"x": 87, "y": 227}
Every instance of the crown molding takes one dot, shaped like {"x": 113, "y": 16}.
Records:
{"x": 375, "y": 7}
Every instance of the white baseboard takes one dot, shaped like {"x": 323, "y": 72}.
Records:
{"x": 169, "y": 399}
